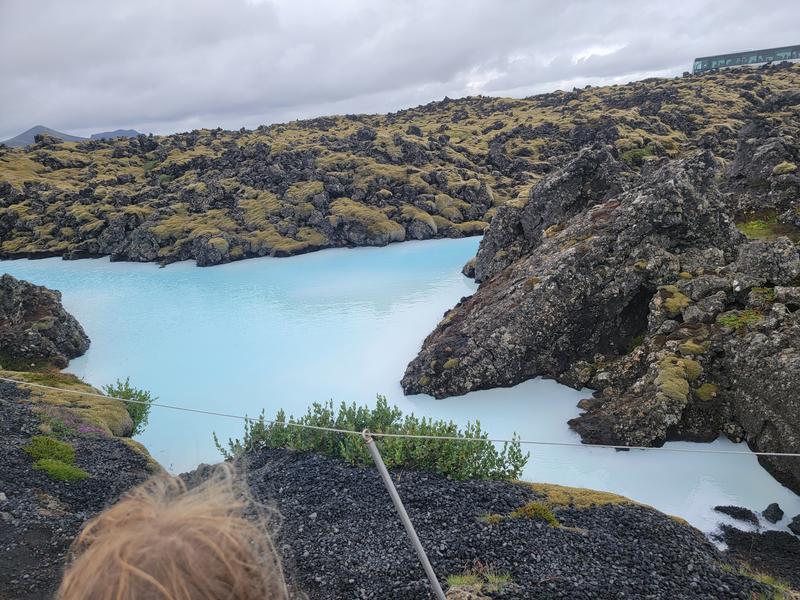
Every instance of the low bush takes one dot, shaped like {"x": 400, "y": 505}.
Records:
{"x": 453, "y": 458}
{"x": 139, "y": 409}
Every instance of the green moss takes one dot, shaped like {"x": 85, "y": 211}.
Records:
{"x": 424, "y": 380}
{"x": 691, "y": 348}
{"x": 766, "y": 294}
{"x": 60, "y": 471}
{"x": 693, "y": 369}
{"x": 637, "y": 155}
{"x": 685, "y": 275}
{"x": 532, "y": 282}
{"x": 673, "y": 300}
{"x": 672, "y": 379}
{"x": 219, "y": 244}
{"x": 640, "y": 265}
{"x": 740, "y": 319}
{"x": 706, "y": 392}
{"x": 537, "y": 511}
{"x": 764, "y": 224}
{"x": 472, "y": 227}
{"x": 784, "y": 168}
{"x": 375, "y": 221}
{"x": 451, "y": 363}
{"x": 556, "y": 496}
{"x": 107, "y": 414}
{"x": 44, "y": 447}
{"x": 303, "y": 190}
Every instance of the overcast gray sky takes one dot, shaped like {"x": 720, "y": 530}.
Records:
{"x": 83, "y": 66}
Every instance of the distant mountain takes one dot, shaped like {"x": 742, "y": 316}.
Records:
{"x": 117, "y": 133}
{"x": 26, "y": 137}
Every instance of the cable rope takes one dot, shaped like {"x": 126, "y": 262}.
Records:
{"x": 379, "y": 434}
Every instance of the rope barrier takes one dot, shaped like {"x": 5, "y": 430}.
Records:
{"x": 411, "y": 435}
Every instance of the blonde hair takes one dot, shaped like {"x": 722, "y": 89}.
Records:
{"x": 168, "y": 542}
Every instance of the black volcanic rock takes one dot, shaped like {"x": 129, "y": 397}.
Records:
{"x": 35, "y": 328}
{"x": 773, "y": 513}
{"x": 638, "y": 285}
{"x": 739, "y": 513}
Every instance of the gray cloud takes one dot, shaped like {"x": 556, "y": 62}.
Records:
{"x": 163, "y": 66}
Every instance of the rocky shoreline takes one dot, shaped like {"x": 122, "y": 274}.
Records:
{"x": 435, "y": 171}
{"x": 340, "y": 538}
{"x": 35, "y": 330}
{"x": 651, "y": 286}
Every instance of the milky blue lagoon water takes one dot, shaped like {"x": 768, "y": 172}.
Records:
{"x": 342, "y": 324}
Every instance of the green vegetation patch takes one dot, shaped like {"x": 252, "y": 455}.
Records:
{"x": 556, "y": 496}
{"x": 451, "y": 363}
{"x": 782, "y": 591}
{"x": 673, "y": 300}
{"x": 479, "y": 578}
{"x": 457, "y": 460}
{"x": 538, "y": 511}
{"x": 706, "y": 392}
{"x": 740, "y": 319}
{"x": 784, "y": 168}
{"x": 765, "y": 294}
{"x": 764, "y": 225}
{"x": 54, "y": 457}
{"x": 692, "y": 348}
{"x": 672, "y": 379}
{"x": 637, "y": 155}
{"x": 45, "y": 447}
{"x": 60, "y": 471}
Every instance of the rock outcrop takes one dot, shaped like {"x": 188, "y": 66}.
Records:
{"x": 34, "y": 327}
{"x": 435, "y": 171}
{"x": 639, "y": 284}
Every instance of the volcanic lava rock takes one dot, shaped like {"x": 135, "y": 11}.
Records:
{"x": 773, "y": 513}
{"x": 35, "y": 328}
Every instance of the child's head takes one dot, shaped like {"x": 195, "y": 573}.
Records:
{"x": 164, "y": 541}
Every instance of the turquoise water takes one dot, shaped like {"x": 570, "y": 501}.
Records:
{"x": 342, "y": 324}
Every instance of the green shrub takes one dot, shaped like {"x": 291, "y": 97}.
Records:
{"x": 139, "y": 410}
{"x": 59, "y": 470}
{"x": 455, "y": 459}
{"x": 43, "y": 447}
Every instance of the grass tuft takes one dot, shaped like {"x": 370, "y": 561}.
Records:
{"x": 44, "y": 447}
{"x": 59, "y": 470}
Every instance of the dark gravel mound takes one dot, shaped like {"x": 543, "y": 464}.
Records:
{"x": 341, "y": 538}
{"x": 39, "y": 517}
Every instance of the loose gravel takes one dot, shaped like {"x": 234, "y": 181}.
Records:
{"x": 341, "y": 538}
